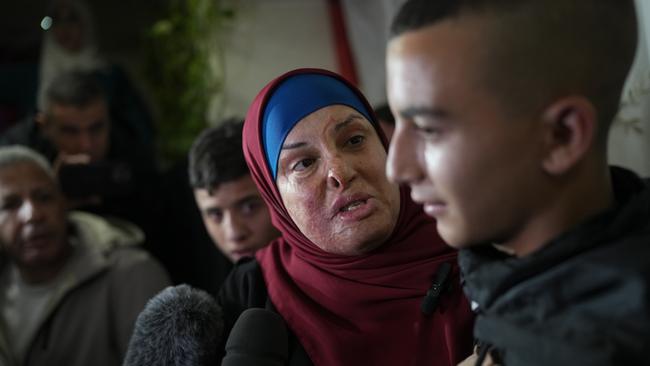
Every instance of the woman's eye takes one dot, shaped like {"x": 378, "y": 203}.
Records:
{"x": 356, "y": 140}
{"x": 303, "y": 164}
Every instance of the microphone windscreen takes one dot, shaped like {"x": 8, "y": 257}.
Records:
{"x": 179, "y": 326}
{"x": 259, "y": 337}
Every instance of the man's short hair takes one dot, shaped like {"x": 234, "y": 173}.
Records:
{"x": 15, "y": 154}
{"x": 540, "y": 50}
{"x": 217, "y": 157}
{"x": 75, "y": 88}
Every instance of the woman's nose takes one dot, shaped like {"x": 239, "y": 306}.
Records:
{"x": 339, "y": 174}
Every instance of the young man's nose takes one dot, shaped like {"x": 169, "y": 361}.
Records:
{"x": 402, "y": 163}
{"x": 235, "y": 227}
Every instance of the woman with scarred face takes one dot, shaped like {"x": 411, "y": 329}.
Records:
{"x": 357, "y": 257}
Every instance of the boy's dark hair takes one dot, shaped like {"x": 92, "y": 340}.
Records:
{"x": 540, "y": 50}
{"x": 75, "y": 88}
{"x": 216, "y": 156}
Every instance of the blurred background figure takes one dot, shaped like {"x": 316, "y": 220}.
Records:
{"x": 210, "y": 201}
{"x": 71, "y": 283}
{"x": 232, "y": 208}
{"x": 102, "y": 169}
{"x": 69, "y": 45}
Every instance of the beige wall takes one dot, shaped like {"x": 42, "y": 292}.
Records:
{"x": 268, "y": 38}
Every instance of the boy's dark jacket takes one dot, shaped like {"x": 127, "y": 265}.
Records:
{"x": 584, "y": 299}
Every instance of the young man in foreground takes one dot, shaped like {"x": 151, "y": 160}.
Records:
{"x": 503, "y": 109}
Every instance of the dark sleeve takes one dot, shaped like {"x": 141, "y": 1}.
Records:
{"x": 244, "y": 288}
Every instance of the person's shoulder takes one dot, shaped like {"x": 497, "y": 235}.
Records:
{"x": 245, "y": 282}
{"x": 124, "y": 257}
{"x": 105, "y": 233}
{"x": 136, "y": 268}
{"x": 23, "y": 132}
{"x": 247, "y": 268}
{"x": 116, "y": 241}
{"x": 244, "y": 288}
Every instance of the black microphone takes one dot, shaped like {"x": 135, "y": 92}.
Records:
{"x": 439, "y": 284}
{"x": 259, "y": 337}
{"x": 179, "y": 326}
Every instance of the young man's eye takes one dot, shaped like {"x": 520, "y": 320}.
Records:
{"x": 250, "y": 207}
{"x": 214, "y": 215}
{"x": 428, "y": 130}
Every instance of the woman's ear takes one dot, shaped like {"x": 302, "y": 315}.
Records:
{"x": 570, "y": 126}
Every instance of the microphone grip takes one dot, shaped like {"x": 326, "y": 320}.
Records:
{"x": 259, "y": 337}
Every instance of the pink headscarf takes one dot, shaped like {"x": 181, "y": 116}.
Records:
{"x": 359, "y": 310}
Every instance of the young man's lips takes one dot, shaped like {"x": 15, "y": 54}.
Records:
{"x": 242, "y": 253}
{"x": 434, "y": 209}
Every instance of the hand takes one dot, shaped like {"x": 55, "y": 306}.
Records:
{"x": 471, "y": 360}
{"x": 66, "y": 159}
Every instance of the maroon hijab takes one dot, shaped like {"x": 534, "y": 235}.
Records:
{"x": 359, "y": 310}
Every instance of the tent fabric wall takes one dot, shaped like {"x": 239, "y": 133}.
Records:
{"x": 629, "y": 142}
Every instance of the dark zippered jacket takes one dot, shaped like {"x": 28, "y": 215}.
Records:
{"x": 583, "y": 299}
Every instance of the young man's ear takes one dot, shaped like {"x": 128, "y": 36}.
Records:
{"x": 570, "y": 126}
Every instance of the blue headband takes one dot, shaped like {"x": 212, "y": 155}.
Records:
{"x": 296, "y": 98}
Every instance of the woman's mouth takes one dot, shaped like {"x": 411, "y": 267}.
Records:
{"x": 353, "y": 206}
{"x": 357, "y": 210}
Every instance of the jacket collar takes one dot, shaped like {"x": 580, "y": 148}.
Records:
{"x": 489, "y": 273}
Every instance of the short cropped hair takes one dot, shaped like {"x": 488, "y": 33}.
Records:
{"x": 16, "y": 154}
{"x": 75, "y": 88}
{"x": 540, "y": 50}
{"x": 216, "y": 156}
